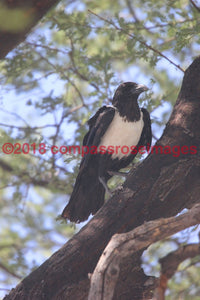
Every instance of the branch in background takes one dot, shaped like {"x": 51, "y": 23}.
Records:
{"x": 133, "y": 13}
{"x": 28, "y": 127}
{"x": 45, "y": 181}
{"x": 35, "y": 10}
{"x": 64, "y": 76}
{"x": 194, "y": 4}
{"x": 10, "y": 272}
{"x": 5, "y": 166}
{"x": 149, "y": 28}
{"x": 141, "y": 42}
{"x": 169, "y": 266}
{"x": 28, "y": 178}
{"x": 75, "y": 69}
{"x": 48, "y": 48}
{"x": 105, "y": 276}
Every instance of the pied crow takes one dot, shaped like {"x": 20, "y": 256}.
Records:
{"x": 112, "y": 128}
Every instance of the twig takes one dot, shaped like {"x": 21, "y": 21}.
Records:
{"x": 141, "y": 42}
{"x": 169, "y": 24}
{"x": 64, "y": 76}
{"x": 14, "y": 114}
{"x": 47, "y": 47}
{"x": 9, "y": 271}
{"x": 27, "y": 127}
{"x": 76, "y": 71}
{"x": 194, "y": 4}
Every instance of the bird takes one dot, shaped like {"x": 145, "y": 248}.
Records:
{"x": 122, "y": 124}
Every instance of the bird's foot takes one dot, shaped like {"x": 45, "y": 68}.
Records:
{"x": 103, "y": 182}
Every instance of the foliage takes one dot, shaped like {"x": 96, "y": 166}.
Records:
{"x": 53, "y": 82}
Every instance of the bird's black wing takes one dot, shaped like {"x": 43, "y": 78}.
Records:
{"x": 104, "y": 114}
{"x": 98, "y": 125}
{"x": 146, "y": 136}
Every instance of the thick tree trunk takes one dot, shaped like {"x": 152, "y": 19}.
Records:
{"x": 33, "y": 11}
{"x": 160, "y": 187}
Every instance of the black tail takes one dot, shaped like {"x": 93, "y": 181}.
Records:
{"x": 87, "y": 197}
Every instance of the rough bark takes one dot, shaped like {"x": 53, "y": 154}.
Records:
{"x": 121, "y": 246}
{"x": 33, "y": 10}
{"x": 161, "y": 186}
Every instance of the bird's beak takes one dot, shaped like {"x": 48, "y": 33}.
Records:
{"x": 141, "y": 88}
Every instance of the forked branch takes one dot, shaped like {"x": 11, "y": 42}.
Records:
{"x": 106, "y": 273}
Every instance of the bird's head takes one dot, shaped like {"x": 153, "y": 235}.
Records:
{"x": 128, "y": 91}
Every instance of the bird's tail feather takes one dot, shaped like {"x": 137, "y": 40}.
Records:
{"x": 87, "y": 197}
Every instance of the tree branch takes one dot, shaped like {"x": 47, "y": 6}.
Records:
{"x": 169, "y": 266}
{"x": 195, "y": 6}
{"x": 3, "y": 267}
{"x": 105, "y": 276}
{"x": 140, "y": 41}
{"x": 33, "y": 12}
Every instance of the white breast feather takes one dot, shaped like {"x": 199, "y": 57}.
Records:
{"x": 122, "y": 133}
